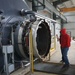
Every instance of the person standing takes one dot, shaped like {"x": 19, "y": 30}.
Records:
{"x": 64, "y": 44}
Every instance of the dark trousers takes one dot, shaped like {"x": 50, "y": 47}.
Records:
{"x": 64, "y": 52}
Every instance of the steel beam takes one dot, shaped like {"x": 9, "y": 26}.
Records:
{"x": 67, "y": 9}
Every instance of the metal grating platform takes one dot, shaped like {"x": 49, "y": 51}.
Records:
{"x": 54, "y": 68}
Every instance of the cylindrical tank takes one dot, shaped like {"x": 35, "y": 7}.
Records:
{"x": 41, "y": 39}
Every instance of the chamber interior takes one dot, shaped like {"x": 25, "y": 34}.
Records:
{"x": 43, "y": 39}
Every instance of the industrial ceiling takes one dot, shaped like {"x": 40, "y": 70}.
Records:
{"x": 67, "y": 8}
{"x": 58, "y": 7}
{"x": 65, "y": 5}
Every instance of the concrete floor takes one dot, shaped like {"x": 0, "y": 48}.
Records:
{"x": 56, "y": 57}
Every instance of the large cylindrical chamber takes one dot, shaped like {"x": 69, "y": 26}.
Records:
{"x": 41, "y": 39}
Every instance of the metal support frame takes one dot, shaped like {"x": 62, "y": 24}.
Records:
{"x": 31, "y": 53}
{"x": 8, "y": 67}
{"x": 8, "y": 49}
{"x": 6, "y": 62}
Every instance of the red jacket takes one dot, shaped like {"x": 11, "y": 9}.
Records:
{"x": 64, "y": 39}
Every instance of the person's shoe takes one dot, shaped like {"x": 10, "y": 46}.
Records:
{"x": 65, "y": 66}
{"x": 61, "y": 61}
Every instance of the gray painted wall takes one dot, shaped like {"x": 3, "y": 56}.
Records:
{"x": 70, "y": 26}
